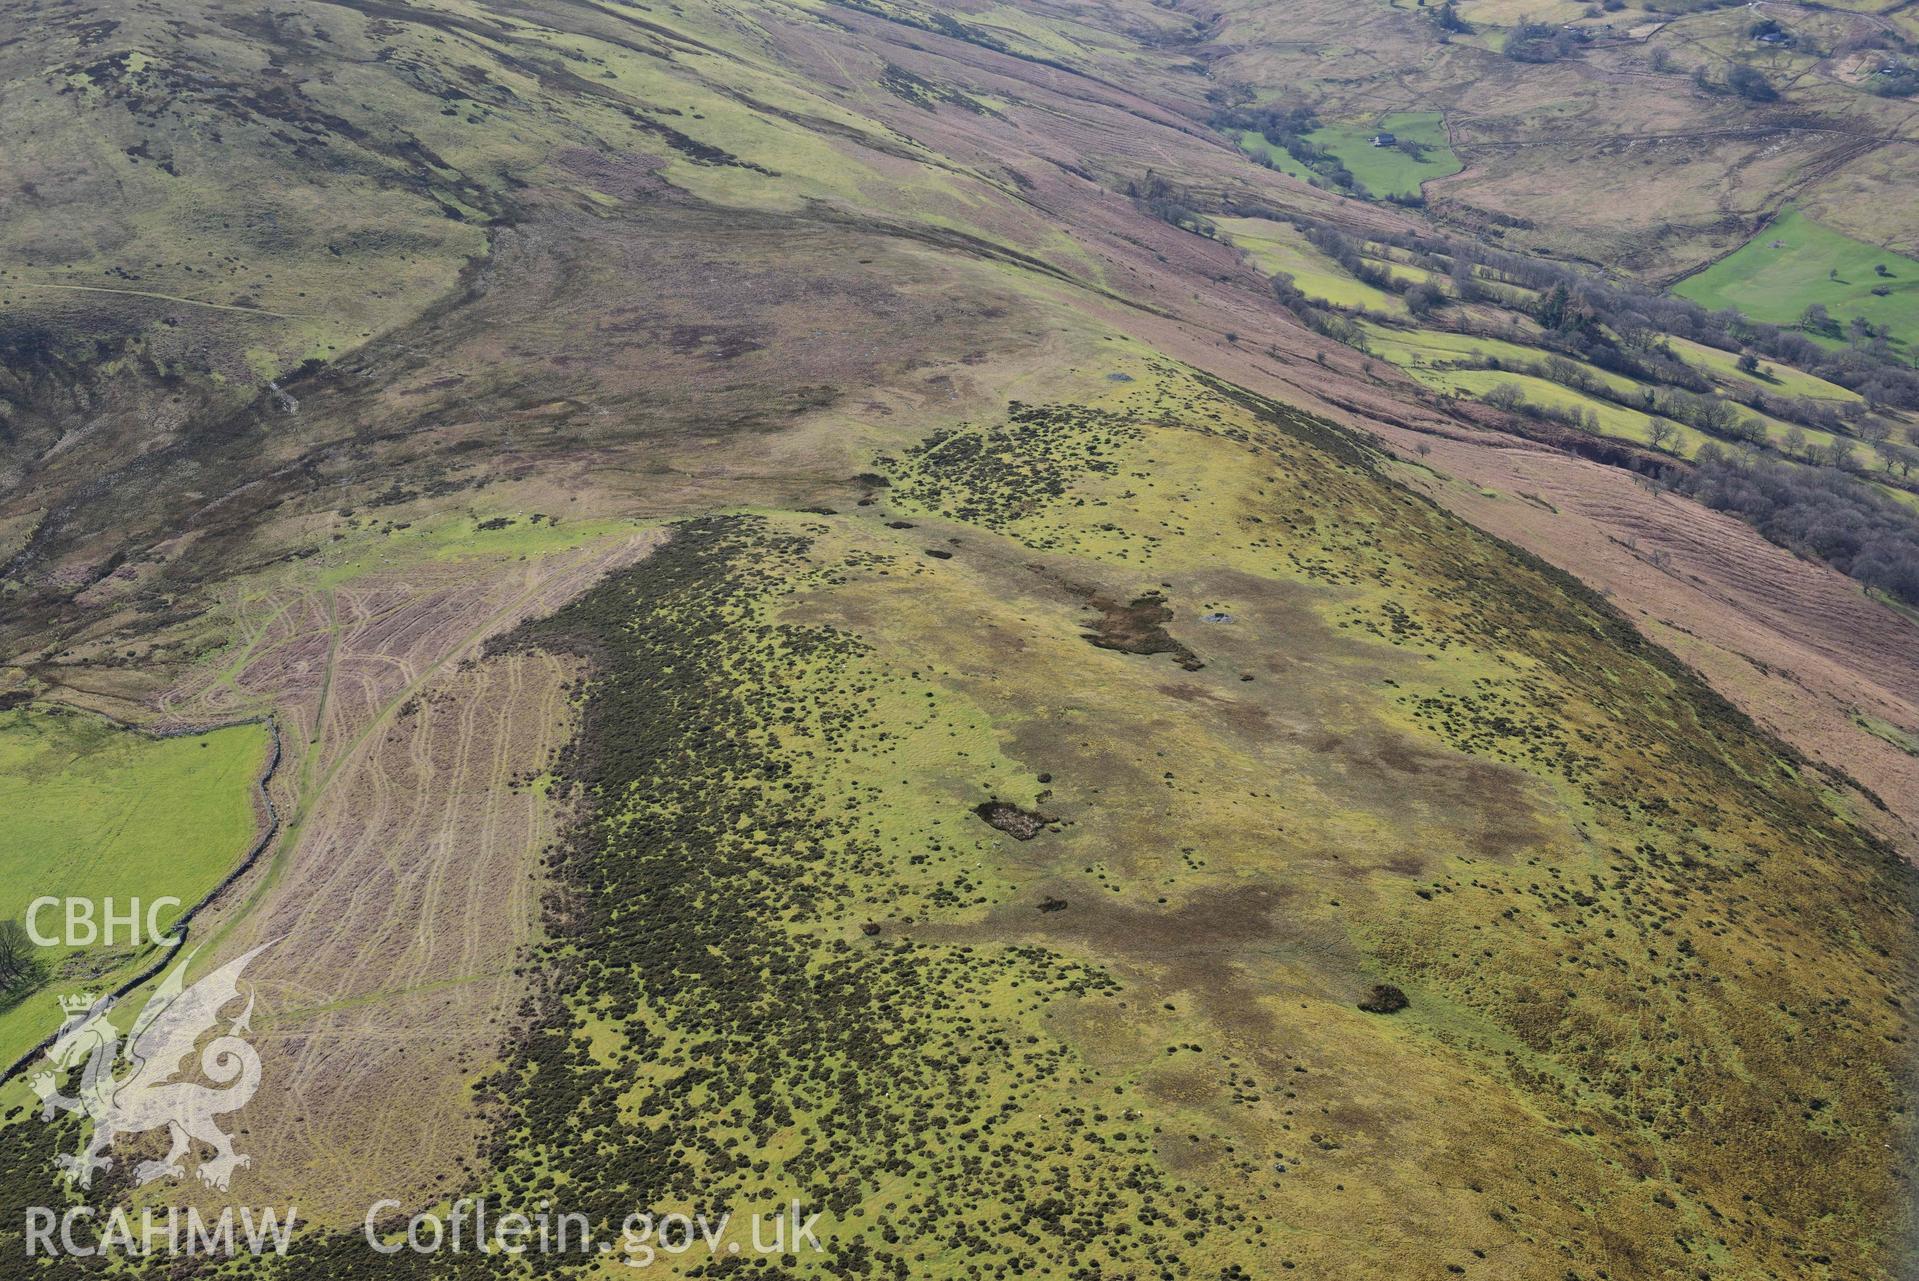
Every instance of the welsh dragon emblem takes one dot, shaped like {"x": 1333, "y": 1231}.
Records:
{"x": 149, "y": 1096}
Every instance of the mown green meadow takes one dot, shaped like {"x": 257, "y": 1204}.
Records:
{"x": 1254, "y": 144}
{"x": 1771, "y": 376}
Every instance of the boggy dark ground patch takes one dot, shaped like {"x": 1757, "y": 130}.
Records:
{"x": 1139, "y": 627}
{"x": 712, "y": 342}
{"x": 626, "y": 175}
{"x": 1494, "y": 809}
{"x": 1196, "y": 945}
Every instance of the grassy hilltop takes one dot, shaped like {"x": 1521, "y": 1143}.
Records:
{"x": 833, "y": 636}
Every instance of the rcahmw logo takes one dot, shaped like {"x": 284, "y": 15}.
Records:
{"x": 173, "y": 1232}
{"x": 148, "y": 1095}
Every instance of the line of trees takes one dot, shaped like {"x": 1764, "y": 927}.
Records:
{"x": 1168, "y": 203}
{"x": 1750, "y": 83}
{"x": 1621, "y": 330}
{"x": 1321, "y": 320}
{"x": 1582, "y": 327}
{"x": 1511, "y": 398}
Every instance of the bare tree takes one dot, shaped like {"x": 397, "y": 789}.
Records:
{"x": 1565, "y": 372}
{"x": 1713, "y": 415}
{"x": 1507, "y": 396}
{"x": 17, "y": 962}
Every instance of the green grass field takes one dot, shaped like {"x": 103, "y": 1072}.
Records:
{"x": 1778, "y": 430}
{"x": 1425, "y": 363}
{"x": 1774, "y": 377}
{"x": 89, "y": 810}
{"x": 1279, "y": 246}
{"x": 1905, "y": 496}
{"x": 1430, "y": 347}
{"x": 1416, "y": 347}
{"x": 1388, "y": 171}
{"x": 1614, "y": 420}
{"x": 1795, "y": 263}
{"x": 1905, "y": 740}
{"x": 1455, "y": 362}
{"x": 1254, "y": 143}
{"x": 1408, "y": 274}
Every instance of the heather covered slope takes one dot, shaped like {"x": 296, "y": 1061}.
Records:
{"x": 803, "y": 673}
